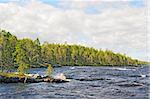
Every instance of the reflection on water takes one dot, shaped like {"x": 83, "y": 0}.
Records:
{"x": 86, "y": 83}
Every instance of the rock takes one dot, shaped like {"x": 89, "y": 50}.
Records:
{"x": 33, "y": 75}
{"x": 34, "y": 78}
{"x": 60, "y": 76}
{"x": 48, "y": 79}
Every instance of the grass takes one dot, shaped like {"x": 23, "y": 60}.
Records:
{"x": 13, "y": 74}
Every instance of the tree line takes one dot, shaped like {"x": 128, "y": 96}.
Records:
{"x": 30, "y": 53}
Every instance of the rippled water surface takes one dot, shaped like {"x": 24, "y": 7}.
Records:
{"x": 86, "y": 83}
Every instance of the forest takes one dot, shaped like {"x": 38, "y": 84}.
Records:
{"x": 25, "y": 52}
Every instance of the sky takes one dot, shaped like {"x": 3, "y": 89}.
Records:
{"x": 117, "y": 25}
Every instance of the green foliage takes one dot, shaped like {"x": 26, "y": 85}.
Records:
{"x": 13, "y": 74}
{"x": 7, "y": 48}
{"x": 28, "y": 52}
{"x": 49, "y": 70}
{"x": 23, "y": 52}
{"x": 62, "y": 54}
{"x": 21, "y": 68}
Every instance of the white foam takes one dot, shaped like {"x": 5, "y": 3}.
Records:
{"x": 72, "y": 68}
{"x": 143, "y": 76}
{"x": 122, "y": 68}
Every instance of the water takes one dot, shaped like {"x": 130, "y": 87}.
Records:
{"x": 86, "y": 83}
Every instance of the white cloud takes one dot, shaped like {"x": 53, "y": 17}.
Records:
{"x": 122, "y": 29}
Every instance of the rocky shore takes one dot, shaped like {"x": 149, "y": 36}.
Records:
{"x": 33, "y": 79}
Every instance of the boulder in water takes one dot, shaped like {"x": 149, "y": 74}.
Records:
{"x": 61, "y": 76}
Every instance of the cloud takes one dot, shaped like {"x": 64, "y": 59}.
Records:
{"x": 115, "y": 25}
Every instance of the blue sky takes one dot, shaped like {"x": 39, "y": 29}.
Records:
{"x": 136, "y": 3}
{"x": 90, "y": 9}
{"x": 51, "y": 2}
{"x": 132, "y": 3}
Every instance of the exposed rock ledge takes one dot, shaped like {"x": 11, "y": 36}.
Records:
{"x": 4, "y": 79}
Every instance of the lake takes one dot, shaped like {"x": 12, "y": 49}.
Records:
{"x": 86, "y": 83}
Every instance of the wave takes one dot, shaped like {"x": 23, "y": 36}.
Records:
{"x": 118, "y": 68}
